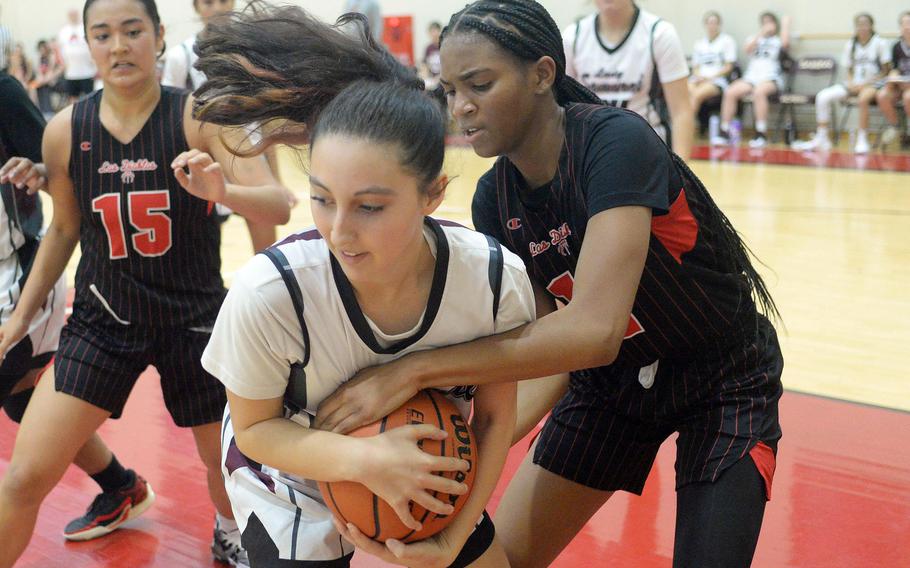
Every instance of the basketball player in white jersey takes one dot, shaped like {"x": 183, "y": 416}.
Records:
{"x": 376, "y": 280}
{"x": 713, "y": 58}
{"x": 763, "y": 78}
{"x": 632, "y": 59}
{"x": 866, "y": 60}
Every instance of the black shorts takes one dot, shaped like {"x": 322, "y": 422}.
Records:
{"x": 100, "y": 365}
{"x": 606, "y": 430}
{"x": 78, "y": 87}
{"x": 18, "y": 362}
{"x": 264, "y": 554}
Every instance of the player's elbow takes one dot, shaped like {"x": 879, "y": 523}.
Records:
{"x": 605, "y": 339}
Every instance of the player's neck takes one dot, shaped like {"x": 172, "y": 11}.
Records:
{"x": 614, "y": 23}
{"x": 397, "y": 302}
{"x": 124, "y": 112}
{"x": 537, "y": 158}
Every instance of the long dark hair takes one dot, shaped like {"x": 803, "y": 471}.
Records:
{"x": 300, "y": 78}
{"x": 526, "y": 31}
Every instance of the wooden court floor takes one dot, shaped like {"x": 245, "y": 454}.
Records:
{"x": 837, "y": 259}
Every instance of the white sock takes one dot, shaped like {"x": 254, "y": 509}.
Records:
{"x": 225, "y": 524}
{"x": 725, "y": 126}
{"x": 761, "y": 126}
{"x": 861, "y": 134}
{"x": 821, "y": 132}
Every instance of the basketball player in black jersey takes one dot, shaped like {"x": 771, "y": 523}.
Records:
{"x": 133, "y": 178}
{"x": 659, "y": 326}
{"x": 21, "y": 176}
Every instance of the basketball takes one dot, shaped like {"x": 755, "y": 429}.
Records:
{"x": 352, "y": 502}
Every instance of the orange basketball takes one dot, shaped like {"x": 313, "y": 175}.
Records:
{"x": 352, "y": 502}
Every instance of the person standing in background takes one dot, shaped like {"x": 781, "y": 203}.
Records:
{"x": 6, "y": 45}
{"x": 633, "y": 59}
{"x": 179, "y": 71}
{"x": 79, "y": 69}
{"x": 372, "y": 10}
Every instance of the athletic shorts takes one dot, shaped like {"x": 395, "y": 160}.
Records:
{"x": 605, "y": 432}
{"x": 756, "y": 80}
{"x": 78, "y": 87}
{"x": 37, "y": 348}
{"x": 720, "y": 82}
{"x": 18, "y": 362}
{"x": 285, "y": 523}
{"x": 100, "y": 365}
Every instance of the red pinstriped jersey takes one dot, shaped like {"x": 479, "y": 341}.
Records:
{"x": 150, "y": 250}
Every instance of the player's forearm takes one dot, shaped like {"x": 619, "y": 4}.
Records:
{"x": 493, "y": 434}
{"x": 305, "y": 452}
{"x": 262, "y": 204}
{"x": 566, "y": 340}
{"x": 683, "y": 131}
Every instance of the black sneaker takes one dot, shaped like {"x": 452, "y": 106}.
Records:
{"x": 111, "y": 509}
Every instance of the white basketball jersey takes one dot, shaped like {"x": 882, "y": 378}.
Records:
{"x": 865, "y": 60}
{"x": 257, "y": 338}
{"x": 765, "y": 62}
{"x": 621, "y": 75}
{"x": 178, "y": 67}
{"x": 709, "y": 57}
{"x": 44, "y": 329}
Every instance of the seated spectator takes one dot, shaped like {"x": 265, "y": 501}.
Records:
{"x": 764, "y": 77}
{"x": 897, "y": 85}
{"x": 865, "y": 59}
{"x": 713, "y": 58}
{"x": 431, "y": 65}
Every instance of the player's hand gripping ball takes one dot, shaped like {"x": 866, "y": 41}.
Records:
{"x": 352, "y": 502}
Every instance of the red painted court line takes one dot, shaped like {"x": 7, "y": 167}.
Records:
{"x": 893, "y": 162}
{"x": 841, "y": 497}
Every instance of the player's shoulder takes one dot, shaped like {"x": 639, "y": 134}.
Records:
{"x": 300, "y": 252}
{"x": 475, "y": 249}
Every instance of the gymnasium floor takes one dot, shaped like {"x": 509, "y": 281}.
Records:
{"x": 834, "y": 241}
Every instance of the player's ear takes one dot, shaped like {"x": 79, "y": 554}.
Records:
{"x": 434, "y": 194}
{"x": 543, "y": 74}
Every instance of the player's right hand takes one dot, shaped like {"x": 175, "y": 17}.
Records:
{"x": 399, "y": 472}
{"x": 11, "y": 333}
{"x": 23, "y": 173}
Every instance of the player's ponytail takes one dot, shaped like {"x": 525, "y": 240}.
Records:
{"x": 526, "y": 30}
{"x": 279, "y": 67}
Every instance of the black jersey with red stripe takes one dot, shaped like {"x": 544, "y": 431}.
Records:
{"x": 692, "y": 299}
{"x": 150, "y": 250}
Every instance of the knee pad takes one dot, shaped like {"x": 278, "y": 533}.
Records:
{"x": 15, "y": 404}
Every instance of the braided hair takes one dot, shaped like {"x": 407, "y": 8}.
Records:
{"x": 526, "y": 30}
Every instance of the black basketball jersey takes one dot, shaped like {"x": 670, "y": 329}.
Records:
{"x": 692, "y": 298}
{"x": 150, "y": 250}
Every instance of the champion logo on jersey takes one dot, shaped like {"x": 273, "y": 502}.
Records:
{"x": 513, "y": 224}
{"x": 127, "y": 168}
{"x": 85, "y": 146}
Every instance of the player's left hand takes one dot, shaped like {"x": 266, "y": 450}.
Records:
{"x": 436, "y": 551}
{"x": 205, "y": 179}
{"x": 369, "y": 395}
